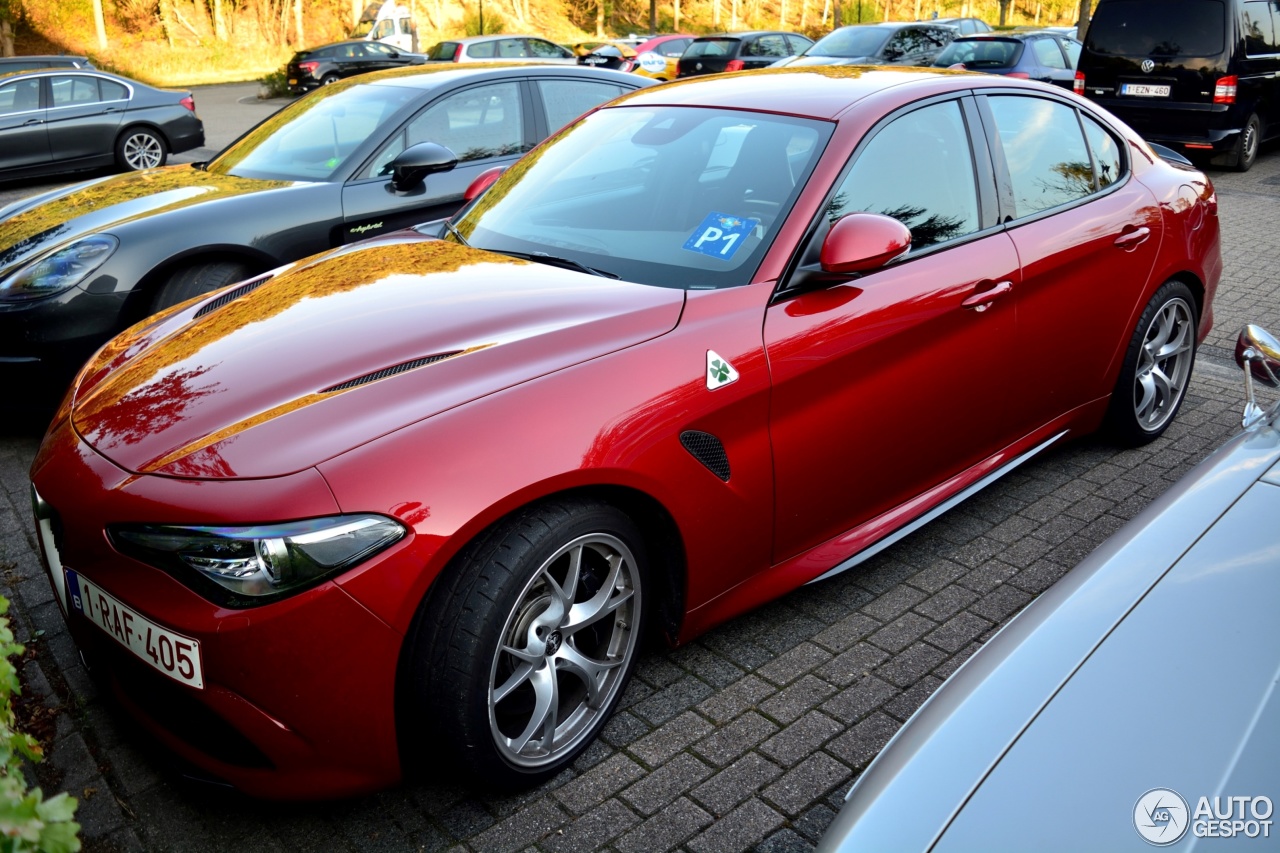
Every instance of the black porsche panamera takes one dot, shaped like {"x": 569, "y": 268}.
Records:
{"x": 80, "y": 264}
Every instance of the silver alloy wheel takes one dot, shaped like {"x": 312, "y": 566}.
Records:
{"x": 1164, "y": 364}
{"x": 143, "y": 151}
{"x": 564, "y": 650}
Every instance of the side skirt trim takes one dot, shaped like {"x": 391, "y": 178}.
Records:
{"x": 907, "y": 529}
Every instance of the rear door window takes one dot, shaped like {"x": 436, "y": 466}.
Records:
{"x": 767, "y": 46}
{"x": 565, "y": 100}
{"x": 1159, "y": 28}
{"x": 1048, "y": 54}
{"x": 1045, "y": 152}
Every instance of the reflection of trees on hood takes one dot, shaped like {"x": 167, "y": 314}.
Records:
{"x": 154, "y": 386}
{"x": 150, "y": 408}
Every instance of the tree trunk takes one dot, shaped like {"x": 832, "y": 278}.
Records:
{"x": 599, "y": 19}
{"x": 99, "y": 25}
{"x": 6, "y": 37}
{"x": 1082, "y": 25}
{"x": 357, "y": 9}
{"x": 715, "y": 14}
{"x": 733, "y": 15}
{"x": 166, "y": 22}
{"x": 219, "y": 25}
{"x": 826, "y": 10}
{"x": 782, "y": 15}
{"x": 297, "y": 24}
{"x": 675, "y": 25}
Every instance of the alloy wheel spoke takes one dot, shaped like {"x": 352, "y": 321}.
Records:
{"x": 603, "y": 603}
{"x": 523, "y": 655}
{"x": 542, "y": 721}
{"x": 520, "y": 676}
{"x": 1147, "y": 390}
{"x": 591, "y": 671}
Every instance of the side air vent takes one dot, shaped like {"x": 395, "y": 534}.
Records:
{"x": 389, "y": 371}
{"x": 231, "y": 296}
{"x": 708, "y": 450}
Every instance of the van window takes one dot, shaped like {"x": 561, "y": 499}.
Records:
{"x": 1163, "y": 28}
{"x": 1259, "y": 29}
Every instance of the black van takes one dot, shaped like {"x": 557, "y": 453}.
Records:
{"x": 1201, "y": 76}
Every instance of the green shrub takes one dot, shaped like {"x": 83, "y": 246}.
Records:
{"x": 274, "y": 85}
{"x": 28, "y": 822}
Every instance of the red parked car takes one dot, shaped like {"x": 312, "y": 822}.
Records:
{"x": 430, "y": 498}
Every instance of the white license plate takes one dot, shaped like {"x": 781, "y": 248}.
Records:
{"x": 1144, "y": 90}
{"x": 172, "y": 654}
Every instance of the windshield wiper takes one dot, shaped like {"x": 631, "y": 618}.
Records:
{"x": 567, "y": 263}
{"x": 453, "y": 229}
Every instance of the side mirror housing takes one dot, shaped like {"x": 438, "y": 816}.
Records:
{"x": 861, "y": 242}
{"x": 1258, "y": 354}
{"x": 482, "y": 182}
{"x": 416, "y": 162}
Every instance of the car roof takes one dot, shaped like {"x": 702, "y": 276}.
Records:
{"x": 747, "y": 34}
{"x": 892, "y": 25}
{"x": 64, "y": 71}
{"x": 825, "y": 91}
{"x": 430, "y": 76}
{"x": 474, "y": 39}
{"x": 44, "y": 57}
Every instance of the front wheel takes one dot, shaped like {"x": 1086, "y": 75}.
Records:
{"x": 140, "y": 148}
{"x": 519, "y": 661}
{"x": 1157, "y": 367}
{"x": 196, "y": 280}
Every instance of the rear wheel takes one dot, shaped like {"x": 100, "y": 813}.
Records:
{"x": 1157, "y": 367}
{"x": 196, "y": 280}
{"x": 518, "y": 660}
{"x": 140, "y": 148}
{"x": 329, "y": 79}
{"x": 1249, "y": 143}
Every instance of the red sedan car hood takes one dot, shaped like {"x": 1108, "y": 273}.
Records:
{"x": 268, "y": 380}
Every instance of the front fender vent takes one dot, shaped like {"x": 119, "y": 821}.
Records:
{"x": 708, "y": 450}
{"x": 232, "y": 296}
{"x": 389, "y": 371}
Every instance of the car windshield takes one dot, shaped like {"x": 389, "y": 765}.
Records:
{"x": 311, "y": 139}
{"x": 851, "y": 41}
{"x": 673, "y": 196}
{"x": 980, "y": 53}
{"x": 1158, "y": 28}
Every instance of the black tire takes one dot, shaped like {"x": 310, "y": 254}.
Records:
{"x": 141, "y": 148}
{"x": 329, "y": 79}
{"x": 495, "y": 625}
{"x": 1248, "y": 144}
{"x": 1157, "y": 367}
{"x": 196, "y": 280}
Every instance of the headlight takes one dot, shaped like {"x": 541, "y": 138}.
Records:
{"x": 247, "y": 566}
{"x": 59, "y": 270}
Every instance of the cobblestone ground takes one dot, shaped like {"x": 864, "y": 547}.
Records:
{"x": 745, "y": 739}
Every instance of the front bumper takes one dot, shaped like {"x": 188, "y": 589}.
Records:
{"x": 298, "y": 697}
{"x": 52, "y": 337}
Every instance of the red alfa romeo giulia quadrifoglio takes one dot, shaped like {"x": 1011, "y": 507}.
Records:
{"x": 713, "y": 341}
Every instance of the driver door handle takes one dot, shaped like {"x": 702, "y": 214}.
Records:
{"x": 1133, "y": 239}
{"x": 981, "y": 300}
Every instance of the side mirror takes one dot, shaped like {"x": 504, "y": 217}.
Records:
{"x": 1258, "y": 354}
{"x": 416, "y": 162}
{"x": 861, "y": 242}
{"x": 482, "y": 182}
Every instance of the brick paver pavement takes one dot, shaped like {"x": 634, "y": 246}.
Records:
{"x": 745, "y": 739}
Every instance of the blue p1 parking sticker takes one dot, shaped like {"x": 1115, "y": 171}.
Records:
{"x": 720, "y": 235}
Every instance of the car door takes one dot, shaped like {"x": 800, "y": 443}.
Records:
{"x": 24, "y": 139}
{"x": 84, "y": 115}
{"x": 888, "y": 384}
{"x": 1087, "y": 235}
{"x": 378, "y": 56}
{"x": 485, "y": 126}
